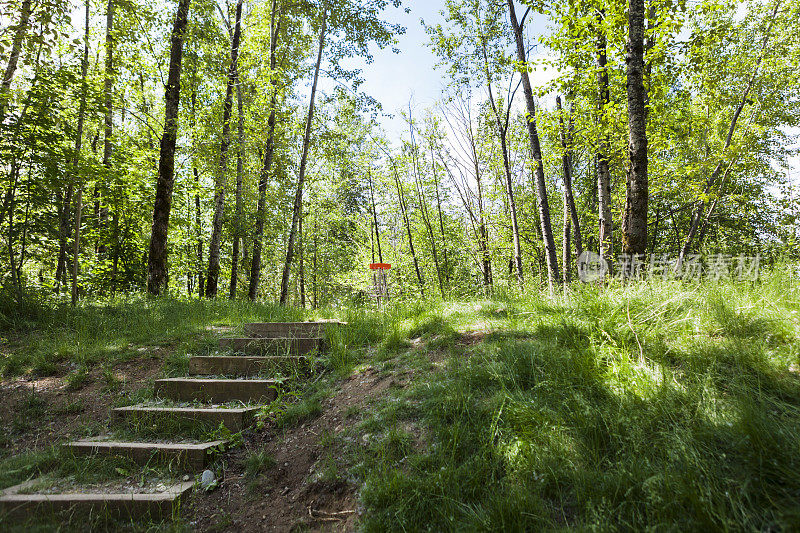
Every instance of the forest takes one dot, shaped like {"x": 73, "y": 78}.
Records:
{"x": 194, "y": 153}
{"x": 590, "y": 319}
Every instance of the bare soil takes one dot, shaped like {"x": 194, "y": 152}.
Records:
{"x": 291, "y": 496}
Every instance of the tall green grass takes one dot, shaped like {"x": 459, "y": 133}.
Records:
{"x": 652, "y": 406}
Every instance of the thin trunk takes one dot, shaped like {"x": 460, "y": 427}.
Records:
{"x": 502, "y": 134}
{"x": 698, "y": 216}
{"x": 258, "y": 235}
{"x": 157, "y": 256}
{"x": 108, "y": 96}
{"x": 634, "y": 220}
{"x": 566, "y": 146}
{"x": 603, "y": 171}
{"x": 219, "y": 190}
{"x": 314, "y": 303}
{"x": 404, "y": 212}
{"x": 77, "y": 244}
{"x": 441, "y": 221}
{"x": 375, "y": 219}
{"x": 298, "y": 197}
{"x": 76, "y": 157}
{"x": 423, "y": 206}
{"x": 541, "y": 186}
{"x": 565, "y": 256}
{"x": 198, "y": 220}
{"x": 238, "y": 222}
{"x": 301, "y": 268}
{"x": 13, "y": 58}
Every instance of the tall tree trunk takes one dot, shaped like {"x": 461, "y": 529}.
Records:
{"x": 198, "y": 219}
{"x": 541, "y": 186}
{"x": 445, "y": 267}
{"x": 157, "y": 256}
{"x": 258, "y": 235}
{"x": 301, "y": 274}
{"x": 603, "y": 171}
{"x": 423, "y": 206}
{"x": 16, "y": 46}
{"x": 407, "y": 222}
{"x": 375, "y": 219}
{"x": 634, "y": 220}
{"x": 566, "y": 146}
{"x": 502, "y": 135}
{"x": 238, "y": 222}
{"x": 219, "y": 190}
{"x": 298, "y": 197}
{"x": 76, "y": 157}
{"x": 108, "y": 97}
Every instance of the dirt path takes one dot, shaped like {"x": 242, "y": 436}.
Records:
{"x": 293, "y": 494}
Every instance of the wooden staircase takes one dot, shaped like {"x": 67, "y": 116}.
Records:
{"x": 279, "y": 345}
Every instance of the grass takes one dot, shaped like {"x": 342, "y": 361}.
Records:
{"x": 651, "y": 406}
{"x": 645, "y": 407}
{"x": 41, "y": 338}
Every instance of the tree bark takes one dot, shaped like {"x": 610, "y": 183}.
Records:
{"x": 219, "y": 190}
{"x": 258, "y": 235}
{"x": 157, "y": 256}
{"x": 634, "y": 220}
{"x": 298, "y": 197}
{"x": 541, "y": 186}
{"x": 76, "y": 158}
{"x": 423, "y": 206}
{"x": 238, "y": 223}
{"x": 606, "y": 229}
{"x": 13, "y": 58}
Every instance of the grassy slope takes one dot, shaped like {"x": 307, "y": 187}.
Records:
{"x": 660, "y": 407}
{"x": 654, "y": 406}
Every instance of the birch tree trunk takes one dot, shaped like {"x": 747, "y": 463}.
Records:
{"x": 222, "y": 171}
{"x": 157, "y": 256}
{"x": 606, "y": 229}
{"x": 541, "y": 187}
{"x": 298, "y": 197}
{"x": 634, "y": 220}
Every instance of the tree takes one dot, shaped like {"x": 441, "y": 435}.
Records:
{"x": 634, "y": 220}
{"x": 541, "y": 188}
{"x": 157, "y": 257}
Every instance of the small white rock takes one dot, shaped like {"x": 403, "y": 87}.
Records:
{"x": 186, "y": 477}
{"x": 207, "y": 479}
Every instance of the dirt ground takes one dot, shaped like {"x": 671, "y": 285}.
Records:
{"x": 40, "y": 411}
{"x": 290, "y": 497}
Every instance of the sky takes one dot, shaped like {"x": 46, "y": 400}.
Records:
{"x": 393, "y": 79}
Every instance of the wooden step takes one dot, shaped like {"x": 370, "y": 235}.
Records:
{"x": 191, "y": 456}
{"x": 290, "y": 329}
{"x": 216, "y": 390}
{"x": 282, "y": 346}
{"x": 129, "y": 505}
{"x": 234, "y": 419}
{"x": 242, "y": 365}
